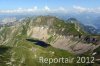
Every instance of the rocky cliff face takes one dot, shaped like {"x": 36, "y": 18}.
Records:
{"x": 59, "y": 34}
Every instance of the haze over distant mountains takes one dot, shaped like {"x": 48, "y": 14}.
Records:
{"x": 86, "y": 18}
{"x": 91, "y": 20}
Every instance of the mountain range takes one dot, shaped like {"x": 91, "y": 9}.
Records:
{"x": 23, "y": 42}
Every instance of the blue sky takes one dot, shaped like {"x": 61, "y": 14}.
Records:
{"x": 64, "y": 5}
{"x": 12, "y": 4}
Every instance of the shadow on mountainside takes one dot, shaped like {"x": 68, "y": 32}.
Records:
{"x": 38, "y": 42}
{"x": 4, "y": 55}
{"x": 3, "y": 49}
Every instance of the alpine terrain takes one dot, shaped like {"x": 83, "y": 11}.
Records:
{"x": 23, "y": 42}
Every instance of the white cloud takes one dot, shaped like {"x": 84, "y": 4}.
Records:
{"x": 19, "y": 10}
{"x": 46, "y": 9}
{"x": 35, "y": 9}
{"x": 62, "y": 9}
{"x": 80, "y": 9}
{"x": 55, "y": 10}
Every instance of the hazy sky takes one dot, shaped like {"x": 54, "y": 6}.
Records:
{"x": 12, "y": 6}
